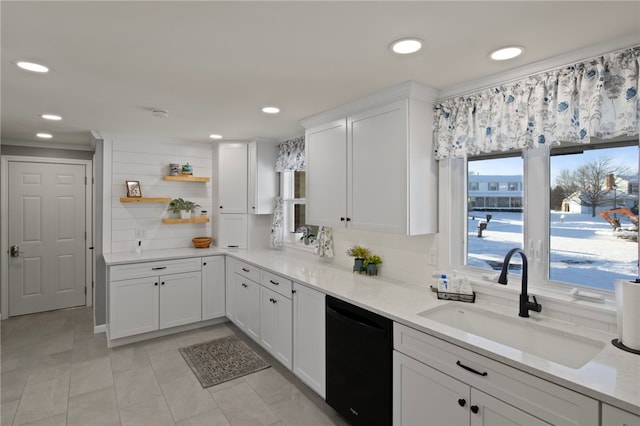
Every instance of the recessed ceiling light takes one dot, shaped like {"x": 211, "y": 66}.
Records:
{"x": 505, "y": 53}
{"x": 44, "y": 135}
{"x": 406, "y": 45}
{"x": 30, "y": 66}
{"x": 52, "y": 117}
{"x": 270, "y": 110}
{"x": 214, "y": 136}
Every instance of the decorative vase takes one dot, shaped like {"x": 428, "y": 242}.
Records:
{"x": 185, "y": 214}
{"x": 358, "y": 265}
{"x": 372, "y": 269}
{"x": 174, "y": 169}
{"x": 187, "y": 169}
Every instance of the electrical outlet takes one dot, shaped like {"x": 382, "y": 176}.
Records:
{"x": 139, "y": 233}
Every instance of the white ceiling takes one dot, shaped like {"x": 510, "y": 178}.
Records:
{"x": 213, "y": 65}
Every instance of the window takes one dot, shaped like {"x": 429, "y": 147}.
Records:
{"x": 473, "y": 186}
{"x": 493, "y": 186}
{"x": 293, "y": 195}
{"x": 581, "y": 208}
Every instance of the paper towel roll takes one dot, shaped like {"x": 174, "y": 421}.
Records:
{"x": 628, "y": 307}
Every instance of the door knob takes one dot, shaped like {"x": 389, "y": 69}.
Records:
{"x": 462, "y": 402}
{"x": 14, "y": 251}
{"x": 475, "y": 409}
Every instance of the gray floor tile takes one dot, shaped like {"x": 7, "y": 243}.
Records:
{"x": 42, "y": 400}
{"x": 214, "y": 417}
{"x": 298, "y": 410}
{"x": 91, "y": 348}
{"x": 169, "y": 365}
{"x": 241, "y": 405}
{"x": 128, "y": 357}
{"x": 12, "y": 384}
{"x": 89, "y": 376}
{"x": 161, "y": 344}
{"x": 98, "y": 408}
{"x": 8, "y": 412}
{"x": 57, "y": 420}
{"x": 135, "y": 386}
{"x": 186, "y": 398}
{"x": 152, "y": 412}
{"x": 270, "y": 385}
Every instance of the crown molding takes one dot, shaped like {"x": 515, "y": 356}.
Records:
{"x": 408, "y": 89}
{"x": 47, "y": 145}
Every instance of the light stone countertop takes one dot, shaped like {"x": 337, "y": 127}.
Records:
{"x": 613, "y": 376}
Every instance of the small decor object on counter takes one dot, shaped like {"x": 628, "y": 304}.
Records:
{"x": 203, "y": 213}
{"x": 174, "y": 169}
{"x": 202, "y": 242}
{"x": 178, "y": 205}
{"x": 133, "y": 189}
{"x": 307, "y": 235}
{"x": 360, "y": 254}
{"x": 371, "y": 264}
{"x": 187, "y": 169}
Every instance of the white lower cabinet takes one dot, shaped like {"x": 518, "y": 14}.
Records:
{"x": 612, "y": 416}
{"x": 437, "y": 383}
{"x": 247, "y": 315}
{"x": 275, "y": 325}
{"x": 140, "y": 305}
{"x": 309, "y": 353}
{"x": 425, "y": 396}
{"x": 213, "y": 287}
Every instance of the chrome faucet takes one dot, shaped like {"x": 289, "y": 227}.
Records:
{"x": 525, "y": 304}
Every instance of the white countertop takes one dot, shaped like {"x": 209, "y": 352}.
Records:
{"x": 613, "y": 376}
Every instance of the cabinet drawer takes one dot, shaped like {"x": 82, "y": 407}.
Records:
{"x": 246, "y": 270}
{"x": 543, "y": 399}
{"x": 148, "y": 269}
{"x": 277, "y": 283}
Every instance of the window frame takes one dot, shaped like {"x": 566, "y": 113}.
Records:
{"x": 536, "y": 235}
{"x": 287, "y": 183}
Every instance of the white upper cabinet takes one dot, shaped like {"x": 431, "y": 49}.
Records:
{"x": 232, "y": 179}
{"x": 326, "y": 176}
{"x": 263, "y": 181}
{"x": 370, "y": 164}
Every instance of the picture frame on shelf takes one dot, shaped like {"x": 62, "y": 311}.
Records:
{"x": 133, "y": 189}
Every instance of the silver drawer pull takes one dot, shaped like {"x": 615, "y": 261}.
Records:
{"x": 274, "y": 282}
{"x": 158, "y": 268}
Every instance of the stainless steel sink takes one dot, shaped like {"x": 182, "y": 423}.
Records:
{"x": 559, "y": 346}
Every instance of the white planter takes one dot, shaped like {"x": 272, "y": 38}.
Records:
{"x": 185, "y": 214}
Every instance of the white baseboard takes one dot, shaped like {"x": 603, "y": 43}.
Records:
{"x": 100, "y": 329}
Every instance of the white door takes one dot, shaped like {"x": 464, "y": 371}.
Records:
{"x": 180, "y": 299}
{"x": 47, "y": 224}
{"x": 213, "y": 287}
{"x": 133, "y": 306}
{"x": 489, "y": 411}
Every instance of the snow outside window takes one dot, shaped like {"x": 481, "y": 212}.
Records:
{"x": 573, "y": 209}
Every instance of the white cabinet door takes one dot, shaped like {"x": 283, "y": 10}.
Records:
{"x": 263, "y": 180}
{"x": 248, "y": 307}
{"x": 612, "y": 416}
{"x": 180, "y": 299}
{"x": 232, "y": 232}
{"x": 232, "y": 178}
{"x": 377, "y": 181}
{"x": 275, "y": 325}
{"x": 230, "y": 288}
{"x": 489, "y": 411}
{"x": 213, "y": 287}
{"x": 309, "y": 353}
{"x": 427, "y": 397}
{"x": 326, "y": 176}
{"x": 133, "y": 306}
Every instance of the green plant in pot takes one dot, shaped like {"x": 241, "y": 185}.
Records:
{"x": 371, "y": 264}
{"x": 360, "y": 254}
{"x": 183, "y": 207}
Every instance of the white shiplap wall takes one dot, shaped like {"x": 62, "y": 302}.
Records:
{"x": 147, "y": 162}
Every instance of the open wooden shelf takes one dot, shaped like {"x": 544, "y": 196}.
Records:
{"x": 174, "y": 220}
{"x": 144, "y": 200}
{"x": 186, "y": 178}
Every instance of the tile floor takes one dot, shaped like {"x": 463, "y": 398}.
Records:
{"x": 55, "y": 371}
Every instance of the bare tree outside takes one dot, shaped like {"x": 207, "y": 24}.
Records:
{"x": 588, "y": 182}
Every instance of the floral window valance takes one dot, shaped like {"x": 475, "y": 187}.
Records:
{"x": 595, "y": 98}
{"x": 291, "y": 155}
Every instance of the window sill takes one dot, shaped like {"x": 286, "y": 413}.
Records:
{"x": 300, "y": 246}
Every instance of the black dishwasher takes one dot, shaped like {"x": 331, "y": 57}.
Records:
{"x": 359, "y": 363}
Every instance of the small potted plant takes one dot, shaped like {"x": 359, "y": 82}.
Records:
{"x": 371, "y": 263}
{"x": 178, "y": 205}
{"x": 360, "y": 254}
